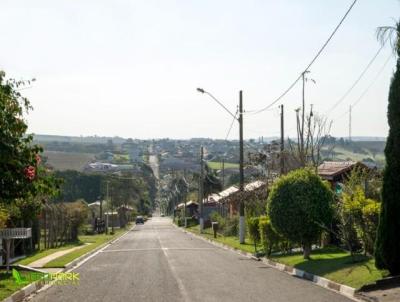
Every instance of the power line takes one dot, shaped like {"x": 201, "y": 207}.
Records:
{"x": 356, "y": 81}
{"x": 311, "y": 63}
{"x": 230, "y": 128}
{"x": 367, "y": 89}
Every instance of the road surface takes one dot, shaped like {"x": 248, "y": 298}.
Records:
{"x": 158, "y": 262}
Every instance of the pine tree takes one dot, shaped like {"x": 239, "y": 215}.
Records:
{"x": 387, "y": 249}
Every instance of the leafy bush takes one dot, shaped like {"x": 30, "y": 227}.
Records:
{"x": 365, "y": 215}
{"x": 300, "y": 206}
{"x": 270, "y": 239}
{"x": 226, "y": 226}
{"x": 253, "y": 229}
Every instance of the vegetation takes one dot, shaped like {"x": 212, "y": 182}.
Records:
{"x": 8, "y": 286}
{"x": 299, "y": 205}
{"x": 270, "y": 239}
{"x": 216, "y": 165}
{"x": 388, "y": 244}
{"x": 336, "y": 265}
{"x": 92, "y": 241}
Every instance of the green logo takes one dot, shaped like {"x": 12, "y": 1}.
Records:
{"x": 54, "y": 278}
{"x": 18, "y": 278}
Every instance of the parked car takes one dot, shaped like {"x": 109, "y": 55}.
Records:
{"x": 139, "y": 220}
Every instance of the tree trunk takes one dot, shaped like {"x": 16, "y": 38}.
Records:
{"x": 306, "y": 250}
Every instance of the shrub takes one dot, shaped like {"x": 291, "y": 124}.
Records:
{"x": 269, "y": 238}
{"x": 364, "y": 214}
{"x": 231, "y": 227}
{"x": 300, "y": 205}
{"x": 253, "y": 229}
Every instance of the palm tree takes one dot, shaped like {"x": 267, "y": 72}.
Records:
{"x": 391, "y": 34}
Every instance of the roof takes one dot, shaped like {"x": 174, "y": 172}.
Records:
{"x": 189, "y": 203}
{"x": 330, "y": 169}
{"x": 228, "y": 191}
{"x": 254, "y": 185}
{"x": 94, "y": 204}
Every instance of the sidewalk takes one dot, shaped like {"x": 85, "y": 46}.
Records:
{"x": 43, "y": 261}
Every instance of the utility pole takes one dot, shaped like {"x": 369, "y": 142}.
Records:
{"x": 282, "y": 160}
{"x": 108, "y": 198}
{"x": 241, "y": 166}
{"x": 223, "y": 173}
{"x": 350, "y": 124}
{"x": 201, "y": 191}
{"x": 303, "y": 112}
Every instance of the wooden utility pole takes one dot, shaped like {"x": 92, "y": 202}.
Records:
{"x": 201, "y": 190}
{"x": 223, "y": 173}
{"x": 241, "y": 172}
{"x": 282, "y": 160}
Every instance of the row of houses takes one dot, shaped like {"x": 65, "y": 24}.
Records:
{"x": 226, "y": 202}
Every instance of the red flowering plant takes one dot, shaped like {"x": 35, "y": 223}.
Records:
{"x": 21, "y": 175}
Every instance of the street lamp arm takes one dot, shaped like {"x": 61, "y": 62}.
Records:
{"x": 215, "y": 99}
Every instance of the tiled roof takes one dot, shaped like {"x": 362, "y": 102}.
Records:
{"x": 332, "y": 168}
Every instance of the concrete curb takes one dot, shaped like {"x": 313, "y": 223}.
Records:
{"x": 341, "y": 289}
{"x": 28, "y": 290}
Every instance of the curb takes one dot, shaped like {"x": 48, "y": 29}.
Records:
{"x": 341, "y": 289}
{"x": 28, "y": 290}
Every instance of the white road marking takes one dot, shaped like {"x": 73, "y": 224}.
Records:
{"x": 159, "y": 249}
{"x": 182, "y": 289}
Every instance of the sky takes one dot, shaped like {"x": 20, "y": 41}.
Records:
{"x": 131, "y": 68}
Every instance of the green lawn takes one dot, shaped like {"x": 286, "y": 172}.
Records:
{"x": 331, "y": 263}
{"x": 232, "y": 241}
{"x": 8, "y": 286}
{"x": 336, "y": 265}
{"x": 43, "y": 253}
{"x": 215, "y": 165}
{"x": 94, "y": 240}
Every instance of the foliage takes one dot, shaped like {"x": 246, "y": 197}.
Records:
{"x": 19, "y": 159}
{"x": 300, "y": 205}
{"x": 75, "y": 185}
{"x": 3, "y": 217}
{"x": 253, "y": 229}
{"x": 387, "y": 248}
{"x": 77, "y": 213}
{"x": 364, "y": 213}
{"x": 270, "y": 239}
{"x": 226, "y": 226}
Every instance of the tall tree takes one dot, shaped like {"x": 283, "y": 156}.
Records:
{"x": 387, "y": 248}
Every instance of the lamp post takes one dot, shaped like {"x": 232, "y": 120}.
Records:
{"x": 241, "y": 156}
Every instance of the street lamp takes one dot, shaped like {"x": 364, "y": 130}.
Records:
{"x": 241, "y": 166}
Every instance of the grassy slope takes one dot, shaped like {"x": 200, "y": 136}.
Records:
{"x": 215, "y": 165}
{"x": 336, "y": 265}
{"x": 8, "y": 286}
{"x": 68, "y": 160}
{"x": 94, "y": 240}
{"x": 43, "y": 253}
{"x": 331, "y": 263}
{"x": 232, "y": 241}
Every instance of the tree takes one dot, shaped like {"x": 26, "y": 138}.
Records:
{"x": 300, "y": 203}
{"x": 18, "y": 156}
{"x": 387, "y": 247}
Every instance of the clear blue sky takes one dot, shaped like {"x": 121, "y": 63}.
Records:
{"x": 131, "y": 68}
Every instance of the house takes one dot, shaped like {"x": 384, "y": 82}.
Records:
{"x": 337, "y": 172}
{"x": 191, "y": 208}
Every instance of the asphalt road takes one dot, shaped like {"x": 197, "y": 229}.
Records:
{"x": 158, "y": 262}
